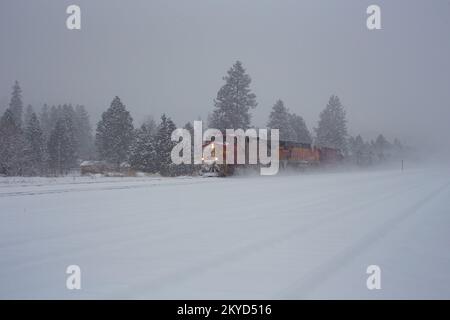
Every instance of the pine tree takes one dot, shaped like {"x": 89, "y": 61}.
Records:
{"x": 359, "y": 144}
{"x": 234, "y": 101}
{"x": 358, "y": 150}
{"x": 280, "y": 119}
{"x": 143, "y": 154}
{"x": 55, "y": 114}
{"x": 16, "y": 105}
{"x": 83, "y": 133}
{"x": 381, "y": 143}
{"x": 61, "y": 149}
{"x": 28, "y": 112}
{"x": 115, "y": 133}
{"x": 44, "y": 119}
{"x": 292, "y": 126}
{"x": 382, "y": 147}
{"x": 300, "y": 130}
{"x": 332, "y": 128}
{"x": 34, "y": 145}
{"x": 67, "y": 114}
{"x": 369, "y": 153}
{"x": 164, "y": 146}
{"x": 11, "y": 145}
{"x": 150, "y": 126}
{"x": 46, "y": 127}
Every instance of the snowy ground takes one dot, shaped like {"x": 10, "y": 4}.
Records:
{"x": 302, "y": 236}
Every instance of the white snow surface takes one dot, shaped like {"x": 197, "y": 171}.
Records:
{"x": 281, "y": 237}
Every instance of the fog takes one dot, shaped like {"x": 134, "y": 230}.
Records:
{"x": 170, "y": 56}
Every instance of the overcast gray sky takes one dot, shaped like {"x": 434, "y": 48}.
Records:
{"x": 170, "y": 56}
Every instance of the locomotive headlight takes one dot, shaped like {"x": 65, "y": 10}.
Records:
{"x": 216, "y": 158}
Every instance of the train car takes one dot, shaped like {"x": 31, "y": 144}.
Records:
{"x": 291, "y": 154}
{"x": 298, "y": 154}
{"x": 211, "y": 166}
{"x": 330, "y": 155}
{"x": 210, "y": 161}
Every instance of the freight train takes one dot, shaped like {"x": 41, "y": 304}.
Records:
{"x": 291, "y": 154}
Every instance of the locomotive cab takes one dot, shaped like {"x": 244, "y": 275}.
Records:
{"x": 210, "y": 166}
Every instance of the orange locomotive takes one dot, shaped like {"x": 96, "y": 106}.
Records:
{"x": 291, "y": 154}
{"x": 298, "y": 154}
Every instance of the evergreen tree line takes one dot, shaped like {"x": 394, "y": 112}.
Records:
{"x": 364, "y": 153}
{"x": 46, "y": 142}
{"x": 55, "y": 139}
{"x": 145, "y": 149}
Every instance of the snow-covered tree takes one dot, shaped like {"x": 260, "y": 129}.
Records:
{"x": 143, "y": 154}
{"x": 150, "y": 125}
{"x": 234, "y": 101}
{"x": 16, "y": 105}
{"x": 382, "y": 147}
{"x": 67, "y": 114}
{"x": 292, "y": 126}
{"x": 332, "y": 128}
{"x": 46, "y": 127}
{"x": 62, "y": 143}
{"x": 34, "y": 145}
{"x": 83, "y": 133}
{"x": 11, "y": 145}
{"x": 61, "y": 149}
{"x": 55, "y": 114}
{"x": 300, "y": 130}
{"x": 115, "y": 133}
{"x": 381, "y": 143}
{"x": 280, "y": 118}
{"x": 164, "y": 145}
{"x": 28, "y": 112}
{"x": 44, "y": 119}
{"x": 359, "y": 144}
{"x": 359, "y": 151}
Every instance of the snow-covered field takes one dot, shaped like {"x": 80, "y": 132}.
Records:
{"x": 301, "y": 236}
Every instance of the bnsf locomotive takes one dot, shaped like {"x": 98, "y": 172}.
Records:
{"x": 291, "y": 154}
